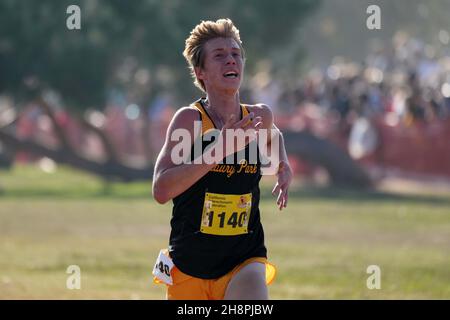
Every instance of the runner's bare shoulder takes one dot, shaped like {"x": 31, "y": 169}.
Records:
{"x": 184, "y": 118}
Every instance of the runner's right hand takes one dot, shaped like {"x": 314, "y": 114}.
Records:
{"x": 250, "y": 126}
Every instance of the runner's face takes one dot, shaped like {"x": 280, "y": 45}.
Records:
{"x": 223, "y": 65}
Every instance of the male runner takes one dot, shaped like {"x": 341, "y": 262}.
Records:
{"x": 217, "y": 240}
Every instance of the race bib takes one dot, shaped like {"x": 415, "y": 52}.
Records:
{"x": 226, "y": 214}
{"x": 163, "y": 267}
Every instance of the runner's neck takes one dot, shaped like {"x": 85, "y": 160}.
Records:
{"x": 223, "y": 107}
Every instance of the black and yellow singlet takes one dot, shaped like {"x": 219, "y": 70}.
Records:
{"x": 215, "y": 224}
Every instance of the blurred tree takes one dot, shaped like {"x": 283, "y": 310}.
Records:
{"x": 123, "y": 42}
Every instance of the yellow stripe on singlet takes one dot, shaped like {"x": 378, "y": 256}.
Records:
{"x": 207, "y": 123}
{"x": 244, "y": 110}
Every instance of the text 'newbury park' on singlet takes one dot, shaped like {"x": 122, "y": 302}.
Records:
{"x": 216, "y": 222}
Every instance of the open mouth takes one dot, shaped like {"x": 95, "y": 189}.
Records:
{"x": 231, "y": 74}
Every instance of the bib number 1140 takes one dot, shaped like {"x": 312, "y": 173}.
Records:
{"x": 235, "y": 219}
{"x": 226, "y": 214}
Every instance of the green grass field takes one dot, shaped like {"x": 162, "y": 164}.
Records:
{"x": 322, "y": 244}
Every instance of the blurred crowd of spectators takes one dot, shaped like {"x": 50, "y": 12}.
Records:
{"x": 409, "y": 79}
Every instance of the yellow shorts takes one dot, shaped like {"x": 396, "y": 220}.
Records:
{"x": 186, "y": 287}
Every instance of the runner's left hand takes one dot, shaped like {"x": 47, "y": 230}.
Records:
{"x": 284, "y": 178}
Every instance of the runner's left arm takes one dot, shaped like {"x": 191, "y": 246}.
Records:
{"x": 284, "y": 172}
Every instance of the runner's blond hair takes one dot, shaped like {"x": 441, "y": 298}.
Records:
{"x": 204, "y": 31}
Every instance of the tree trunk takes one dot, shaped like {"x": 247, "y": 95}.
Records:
{"x": 108, "y": 170}
{"x": 342, "y": 169}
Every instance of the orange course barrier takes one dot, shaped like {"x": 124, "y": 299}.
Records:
{"x": 420, "y": 147}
